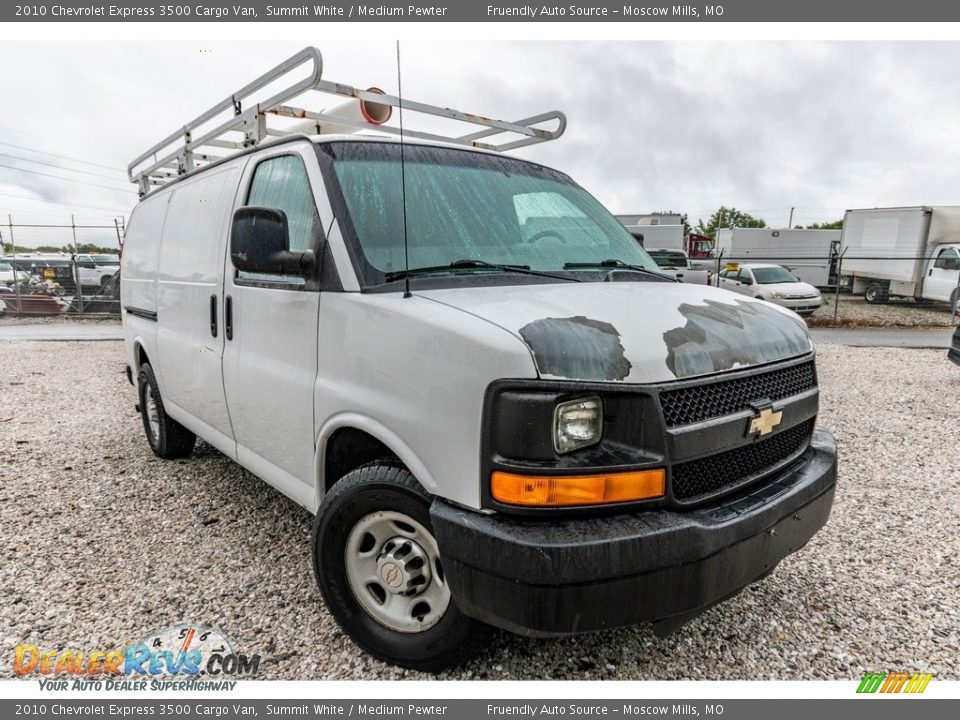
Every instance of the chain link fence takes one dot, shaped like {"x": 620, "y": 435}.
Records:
{"x": 74, "y": 283}
{"x": 849, "y": 290}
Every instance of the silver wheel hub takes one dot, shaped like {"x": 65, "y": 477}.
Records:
{"x": 153, "y": 414}
{"x": 393, "y": 568}
{"x": 403, "y": 566}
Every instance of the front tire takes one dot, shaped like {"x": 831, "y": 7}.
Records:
{"x": 168, "y": 439}
{"x": 378, "y": 567}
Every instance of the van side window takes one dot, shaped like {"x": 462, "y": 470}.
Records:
{"x": 281, "y": 183}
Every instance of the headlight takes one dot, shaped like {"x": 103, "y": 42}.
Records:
{"x": 577, "y": 424}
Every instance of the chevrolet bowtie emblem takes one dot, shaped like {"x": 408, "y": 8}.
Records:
{"x": 765, "y": 422}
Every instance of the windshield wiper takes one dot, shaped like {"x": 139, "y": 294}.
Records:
{"x": 618, "y": 264}
{"x": 473, "y": 264}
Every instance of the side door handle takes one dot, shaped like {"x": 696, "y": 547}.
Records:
{"x": 228, "y": 317}
{"x": 213, "y": 315}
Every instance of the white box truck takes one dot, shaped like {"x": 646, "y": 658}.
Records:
{"x": 903, "y": 252}
{"x": 498, "y": 410}
{"x": 811, "y": 255}
{"x": 660, "y": 232}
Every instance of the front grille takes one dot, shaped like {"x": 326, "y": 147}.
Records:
{"x": 697, "y": 403}
{"x": 727, "y": 469}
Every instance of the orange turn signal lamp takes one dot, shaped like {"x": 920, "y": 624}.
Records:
{"x": 572, "y": 490}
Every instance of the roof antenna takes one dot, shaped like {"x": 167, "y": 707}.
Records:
{"x": 403, "y": 186}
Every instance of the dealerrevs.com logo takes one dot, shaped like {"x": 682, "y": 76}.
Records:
{"x": 186, "y": 656}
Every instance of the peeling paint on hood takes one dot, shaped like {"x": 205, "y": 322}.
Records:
{"x": 576, "y": 347}
{"x": 634, "y": 332}
{"x": 722, "y": 336}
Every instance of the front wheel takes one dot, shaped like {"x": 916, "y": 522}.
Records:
{"x": 379, "y": 570}
{"x": 168, "y": 439}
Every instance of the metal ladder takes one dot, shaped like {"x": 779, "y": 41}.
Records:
{"x": 185, "y": 151}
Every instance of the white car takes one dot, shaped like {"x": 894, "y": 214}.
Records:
{"x": 6, "y": 273}
{"x": 773, "y": 283}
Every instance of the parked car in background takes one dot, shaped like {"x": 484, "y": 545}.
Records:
{"x": 773, "y": 283}
{"x": 95, "y": 270}
{"x": 53, "y": 269}
{"x": 6, "y": 273}
{"x": 677, "y": 264}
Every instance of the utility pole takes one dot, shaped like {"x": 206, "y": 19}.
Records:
{"x": 790, "y": 221}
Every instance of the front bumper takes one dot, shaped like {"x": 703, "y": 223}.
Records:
{"x": 558, "y": 577}
{"x": 954, "y": 352}
{"x": 800, "y": 304}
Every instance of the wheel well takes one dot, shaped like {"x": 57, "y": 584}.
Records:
{"x": 141, "y": 357}
{"x": 348, "y": 449}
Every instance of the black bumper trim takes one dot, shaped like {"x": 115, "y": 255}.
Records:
{"x": 560, "y": 577}
{"x": 954, "y": 353}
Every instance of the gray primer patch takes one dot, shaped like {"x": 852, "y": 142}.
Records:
{"x": 577, "y": 348}
{"x": 725, "y": 335}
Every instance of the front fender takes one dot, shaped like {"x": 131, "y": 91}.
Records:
{"x": 375, "y": 429}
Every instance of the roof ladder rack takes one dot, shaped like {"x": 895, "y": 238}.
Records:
{"x": 195, "y": 145}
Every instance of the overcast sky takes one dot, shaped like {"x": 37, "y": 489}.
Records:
{"x": 652, "y": 126}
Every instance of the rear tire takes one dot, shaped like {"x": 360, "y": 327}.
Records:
{"x": 876, "y": 293}
{"x": 168, "y": 439}
{"x": 373, "y": 527}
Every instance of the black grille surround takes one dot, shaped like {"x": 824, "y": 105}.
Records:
{"x": 702, "y": 478}
{"x": 696, "y": 403}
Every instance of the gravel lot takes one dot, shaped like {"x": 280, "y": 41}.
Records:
{"x": 103, "y": 542}
{"x": 10, "y": 319}
{"x": 854, "y": 311}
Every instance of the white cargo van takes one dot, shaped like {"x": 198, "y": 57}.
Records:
{"x": 499, "y": 411}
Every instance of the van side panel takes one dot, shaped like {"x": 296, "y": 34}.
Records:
{"x": 138, "y": 276}
{"x": 189, "y": 289}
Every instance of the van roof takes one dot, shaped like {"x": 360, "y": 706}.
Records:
{"x": 194, "y": 145}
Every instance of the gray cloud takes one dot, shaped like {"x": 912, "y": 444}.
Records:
{"x": 652, "y": 126}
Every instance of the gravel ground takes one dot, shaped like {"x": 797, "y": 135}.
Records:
{"x": 898, "y": 312}
{"x": 8, "y": 319}
{"x": 103, "y": 542}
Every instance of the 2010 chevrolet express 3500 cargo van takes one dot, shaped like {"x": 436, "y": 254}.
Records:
{"x": 510, "y": 419}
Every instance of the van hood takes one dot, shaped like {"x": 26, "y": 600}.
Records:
{"x": 634, "y": 332}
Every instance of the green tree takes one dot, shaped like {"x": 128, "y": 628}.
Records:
{"x": 728, "y": 217}
{"x": 835, "y": 225}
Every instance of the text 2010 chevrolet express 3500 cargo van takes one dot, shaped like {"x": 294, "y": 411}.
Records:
{"x": 544, "y": 434}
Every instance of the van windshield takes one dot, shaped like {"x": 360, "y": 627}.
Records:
{"x": 469, "y": 206}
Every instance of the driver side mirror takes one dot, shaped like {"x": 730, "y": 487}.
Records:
{"x": 260, "y": 243}
{"x": 745, "y": 280}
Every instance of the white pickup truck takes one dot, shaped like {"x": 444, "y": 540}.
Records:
{"x": 675, "y": 263}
